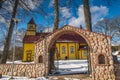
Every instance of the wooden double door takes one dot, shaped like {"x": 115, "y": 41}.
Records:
{"x": 29, "y": 55}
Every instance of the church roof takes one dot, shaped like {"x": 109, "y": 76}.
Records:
{"x": 63, "y": 38}
{"x": 71, "y": 38}
{"x": 31, "y": 21}
{"x": 30, "y": 38}
{"x": 42, "y": 34}
{"x": 33, "y": 38}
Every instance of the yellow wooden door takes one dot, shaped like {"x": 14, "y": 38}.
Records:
{"x": 28, "y": 56}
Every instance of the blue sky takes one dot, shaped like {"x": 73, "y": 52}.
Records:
{"x": 113, "y": 6}
{"x": 100, "y": 9}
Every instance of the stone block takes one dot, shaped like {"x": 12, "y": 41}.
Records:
{"x": 105, "y": 77}
{"x": 111, "y": 62}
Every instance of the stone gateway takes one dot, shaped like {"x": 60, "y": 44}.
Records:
{"x": 101, "y": 60}
{"x": 100, "y": 55}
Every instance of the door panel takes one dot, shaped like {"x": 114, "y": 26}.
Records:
{"x": 28, "y": 56}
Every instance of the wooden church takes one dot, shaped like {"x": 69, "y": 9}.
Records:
{"x": 70, "y": 46}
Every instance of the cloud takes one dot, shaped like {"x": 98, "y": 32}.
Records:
{"x": 20, "y": 36}
{"x": 2, "y": 19}
{"x": 1, "y": 48}
{"x": 115, "y": 43}
{"x": 32, "y": 4}
{"x": 98, "y": 13}
{"x": 51, "y": 3}
{"x": 49, "y": 29}
{"x": 80, "y": 19}
{"x": 65, "y": 12}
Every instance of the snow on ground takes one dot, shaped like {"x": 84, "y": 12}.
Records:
{"x": 20, "y": 62}
{"x": 6, "y": 77}
{"x": 64, "y": 67}
{"x": 72, "y": 66}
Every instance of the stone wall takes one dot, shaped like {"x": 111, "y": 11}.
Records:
{"x": 99, "y": 44}
{"x": 117, "y": 71}
{"x": 28, "y": 70}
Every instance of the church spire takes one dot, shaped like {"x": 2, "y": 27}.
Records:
{"x": 31, "y": 21}
{"x": 31, "y": 29}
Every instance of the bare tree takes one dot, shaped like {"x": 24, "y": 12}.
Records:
{"x": 56, "y": 15}
{"x": 87, "y": 14}
{"x": 2, "y": 37}
{"x": 109, "y": 27}
{"x": 1, "y": 3}
{"x": 8, "y": 39}
{"x": 88, "y": 24}
{"x": 24, "y": 5}
{"x": 56, "y": 24}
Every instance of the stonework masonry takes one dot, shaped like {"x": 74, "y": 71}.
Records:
{"x": 99, "y": 44}
{"x": 117, "y": 71}
{"x": 29, "y": 70}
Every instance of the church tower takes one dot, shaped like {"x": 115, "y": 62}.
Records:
{"x": 31, "y": 29}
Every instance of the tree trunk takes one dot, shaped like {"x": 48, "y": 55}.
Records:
{"x": 56, "y": 23}
{"x": 56, "y": 15}
{"x": 51, "y": 59}
{"x": 8, "y": 39}
{"x": 87, "y": 14}
{"x": 1, "y": 1}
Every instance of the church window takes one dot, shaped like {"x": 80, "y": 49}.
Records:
{"x": 72, "y": 50}
{"x": 31, "y": 27}
{"x": 85, "y": 53}
{"x": 63, "y": 49}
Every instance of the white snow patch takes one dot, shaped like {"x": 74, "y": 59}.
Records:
{"x": 6, "y": 77}
{"x": 20, "y": 62}
{"x": 72, "y": 66}
{"x": 115, "y": 53}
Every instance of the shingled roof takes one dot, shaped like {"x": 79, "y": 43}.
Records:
{"x": 63, "y": 38}
{"x": 30, "y": 38}
{"x": 33, "y": 38}
{"x": 42, "y": 34}
{"x": 72, "y": 37}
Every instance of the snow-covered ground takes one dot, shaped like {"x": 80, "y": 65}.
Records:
{"x": 6, "y": 77}
{"x": 72, "y": 66}
{"x": 64, "y": 67}
{"x": 20, "y": 62}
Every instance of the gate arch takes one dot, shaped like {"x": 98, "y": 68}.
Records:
{"x": 98, "y": 43}
{"x": 59, "y": 34}
{"x": 56, "y": 36}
